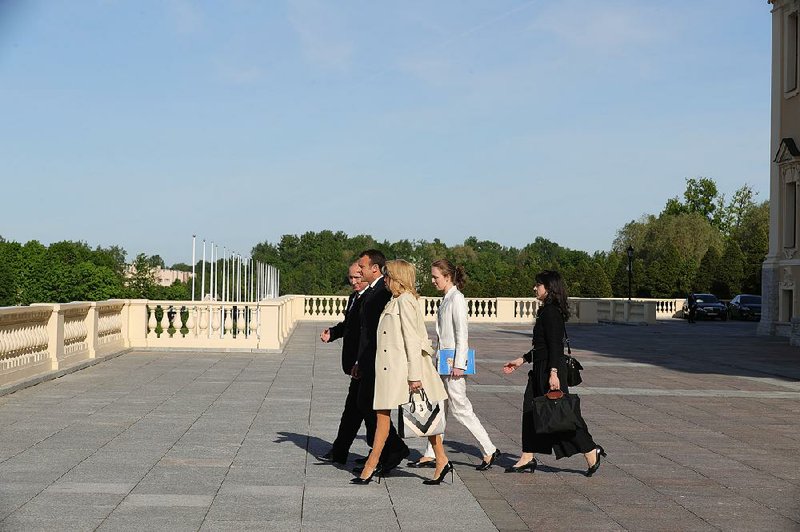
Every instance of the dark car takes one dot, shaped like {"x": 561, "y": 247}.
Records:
{"x": 708, "y": 307}
{"x": 745, "y": 307}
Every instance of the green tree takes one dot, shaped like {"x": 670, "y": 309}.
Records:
{"x": 112, "y": 257}
{"x": 663, "y": 273}
{"x": 89, "y": 282}
{"x": 731, "y": 272}
{"x": 752, "y": 236}
{"x": 34, "y": 270}
{"x": 141, "y": 282}
{"x": 181, "y": 267}
{"x": 741, "y": 203}
{"x": 155, "y": 261}
{"x": 704, "y": 280}
{"x": 588, "y": 279}
{"x": 700, "y": 197}
{"x": 9, "y": 273}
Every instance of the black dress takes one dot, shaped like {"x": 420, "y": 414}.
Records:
{"x": 548, "y": 352}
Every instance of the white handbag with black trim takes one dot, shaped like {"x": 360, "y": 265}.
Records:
{"x": 419, "y": 418}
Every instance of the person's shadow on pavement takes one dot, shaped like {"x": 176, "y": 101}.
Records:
{"x": 312, "y": 445}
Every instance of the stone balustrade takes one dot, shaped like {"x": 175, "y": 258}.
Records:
{"x": 44, "y": 339}
{"x": 519, "y": 309}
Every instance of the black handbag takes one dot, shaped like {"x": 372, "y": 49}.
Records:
{"x": 573, "y": 367}
{"x": 556, "y": 411}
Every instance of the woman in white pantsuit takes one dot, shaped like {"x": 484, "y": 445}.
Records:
{"x": 451, "y": 328}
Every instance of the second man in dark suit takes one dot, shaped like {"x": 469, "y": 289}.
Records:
{"x": 349, "y": 330}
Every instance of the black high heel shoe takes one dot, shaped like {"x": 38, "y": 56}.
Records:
{"x": 421, "y": 463}
{"x": 358, "y": 480}
{"x": 600, "y": 452}
{"x": 486, "y": 465}
{"x": 448, "y": 468}
{"x": 530, "y": 466}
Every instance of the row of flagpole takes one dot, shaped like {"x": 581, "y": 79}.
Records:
{"x": 234, "y": 278}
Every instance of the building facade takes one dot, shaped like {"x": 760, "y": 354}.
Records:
{"x": 780, "y": 314}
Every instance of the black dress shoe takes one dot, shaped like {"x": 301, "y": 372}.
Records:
{"x": 486, "y": 465}
{"x": 600, "y": 452}
{"x": 329, "y": 458}
{"x": 530, "y": 466}
{"x": 421, "y": 463}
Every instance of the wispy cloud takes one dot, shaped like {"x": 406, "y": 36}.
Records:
{"x": 605, "y": 27}
{"x": 323, "y": 33}
{"x": 239, "y": 74}
{"x": 187, "y": 16}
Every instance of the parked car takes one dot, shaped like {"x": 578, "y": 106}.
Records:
{"x": 708, "y": 307}
{"x": 745, "y": 307}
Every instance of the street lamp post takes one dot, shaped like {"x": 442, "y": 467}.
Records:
{"x": 630, "y": 270}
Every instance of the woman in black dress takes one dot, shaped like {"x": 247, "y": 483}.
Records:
{"x": 548, "y": 373}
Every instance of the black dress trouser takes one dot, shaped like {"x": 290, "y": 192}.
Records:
{"x": 349, "y": 423}
{"x": 366, "y": 395}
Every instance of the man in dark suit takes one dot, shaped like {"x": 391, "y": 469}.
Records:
{"x": 349, "y": 330}
{"x": 371, "y": 263}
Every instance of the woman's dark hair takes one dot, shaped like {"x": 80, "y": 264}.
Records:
{"x": 556, "y": 291}
{"x": 455, "y": 273}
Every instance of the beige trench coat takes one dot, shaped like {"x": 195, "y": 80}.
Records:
{"x": 404, "y": 354}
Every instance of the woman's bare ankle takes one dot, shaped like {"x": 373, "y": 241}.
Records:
{"x": 524, "y": 459}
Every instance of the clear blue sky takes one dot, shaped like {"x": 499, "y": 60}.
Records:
{"x": 141, "y": 122}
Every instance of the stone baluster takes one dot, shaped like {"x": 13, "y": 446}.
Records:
{"x": 228, "y": 317}
{"x": 253, "y": 321}
{"x": 241, "y": 322}
{"x": 203, "y": 322}
{"x": 215, "y": 318}
{"x": 215, "y": 321}
{"x": 190, "y": 321}
{"x": 164, "y": 321}
{"x": 151, "y": 322}
{"x": 177, "y": 321}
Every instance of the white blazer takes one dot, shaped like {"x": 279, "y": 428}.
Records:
{"x": 451, "y": 326}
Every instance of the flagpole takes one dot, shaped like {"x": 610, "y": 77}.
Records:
{"x": 193, "y": 261}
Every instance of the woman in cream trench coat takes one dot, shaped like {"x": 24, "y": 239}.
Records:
{"x": 403, "y": 365}
{"x": 404, "y": 354}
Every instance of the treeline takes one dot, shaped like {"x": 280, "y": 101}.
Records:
{"x": 72, "y": 271}
{"x": 700, "y": 242}
{"x": 317, "y": 262}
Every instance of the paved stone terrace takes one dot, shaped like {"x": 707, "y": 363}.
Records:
{"x": 700, "y": 423}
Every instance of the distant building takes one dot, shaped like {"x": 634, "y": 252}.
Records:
{"x": 780, "y": 314}
{"x": 164, "y": 277}
{"x": 167, "y": 277}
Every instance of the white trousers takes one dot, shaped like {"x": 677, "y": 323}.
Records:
{"x": 460, "y": 409}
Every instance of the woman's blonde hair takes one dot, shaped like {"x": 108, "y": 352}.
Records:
{"x": 402, "y": 277}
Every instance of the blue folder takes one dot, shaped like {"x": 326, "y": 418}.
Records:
{"x": 446, "y": 357}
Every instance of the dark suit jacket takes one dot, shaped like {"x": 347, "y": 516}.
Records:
{"x": 375, "y": 300}
{"x": 350, "y": 331}
{"x": 548, "y": 337}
